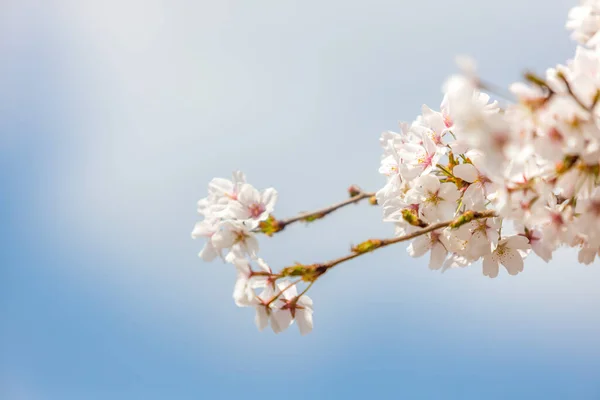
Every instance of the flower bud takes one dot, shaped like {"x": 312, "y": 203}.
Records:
{"x": 354, "y": 191}
{"x": 270, "y": 226}
{"x": 411, "y": 217}
{"x": 366, "y": 246}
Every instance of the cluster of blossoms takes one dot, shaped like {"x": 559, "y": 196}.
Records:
{"x": 234, "y": 211}
{"x": 477, "y": 180}
{"x": 534, "y": 163}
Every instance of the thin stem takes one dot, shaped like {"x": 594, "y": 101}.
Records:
{"x": 283, "y": 290}
{"x": 327, "y": 210}
{"x": 318, "y": 214}
{"x": 267, "y": 274}
{"x": 386, "y": 242}
{"x": 306, "y": 289}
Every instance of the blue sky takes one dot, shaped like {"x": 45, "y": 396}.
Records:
{"x": 114, "y": 116}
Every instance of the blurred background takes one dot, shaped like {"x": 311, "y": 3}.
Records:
{"x": 114, "y": 116}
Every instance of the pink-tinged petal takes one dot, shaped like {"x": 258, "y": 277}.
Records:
{"x": 208, "y": 253}
{"x": 281, "y": 320}
{"x": 477, "y": 159}
{"x": 267, "y": 293}
{"x": 220, "y": 187}
{"x": 263, "y": 265}
{"x": 455, "y": 261}
{"x": 473, "y": 197}
{"x": 235, "y": 210}
{"x": 428, "y": 183}
{"x": 202, "y": 229}
{"x": 223, "y": 239}
{"x": 464, "y": 232}
{"x": 262, "y": 318}
{"x": 518, "y": 242}
{"x": 446, "y": 210}
{"x": 492, "y": 236}
{"x": 426, "y": 111}
{"x": 459, "y": 147}
{"x": 543, "y": 252}
{"x": 438, "y": 256}
{"x": 490, "y": 267}
{"x": 242, "y": 295}
{"x": 411, "y": 197}
{"x": 419, "y": 246}
{"x": 248, "y": 195}
{"x": 466, "y": 172}
{"x": 512, "y": 261}
{"x": 239, "y": 177}
{"x": 389, "y": 166}
{"x": 257, "y": 282}
{"x": 251, "y": 245}
{"x": 449, "y": 192}
{"x": 305, "y": 302}
{"x": 268, "y": 199}
{"x": 242, "y": 265}
{"x": 429, "y": 145}
{"x": 586, "y": 255}
{"x": 409, "y": 151}
{"x": 304, "y": 319}
{"x": 493, "y": 223}
{"x": 290, "y": 292}
{"x": 233, "y": 256}
{"x": 429, "y": 213}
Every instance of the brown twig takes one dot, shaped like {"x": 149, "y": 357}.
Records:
{"x": 310, "y": 273}
{"x": 275, "y": 225}
{"x": 375, "y": 244}
{"x": 325, "y": 211}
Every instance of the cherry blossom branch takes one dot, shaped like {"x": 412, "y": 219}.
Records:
{"x": 542, "y": 148}
{"x": 313, "y": 272}
{"x": 272, "y": 225}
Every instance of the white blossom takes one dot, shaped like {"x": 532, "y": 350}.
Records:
{"x": 437, "y": 201}
{"x": 507, "y": 254}
{"x": 436, "y": 243}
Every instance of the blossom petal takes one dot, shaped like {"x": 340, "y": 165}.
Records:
{"x": 419, "y": 246}
{"x": 586, "y": 255}
{"x": 490, "y": 267}
{"x": 304, "y": 320}
{"x": 251, "y": 245}
{"x": 305, "y": 302}
{"x": 263, "y": 265}
{"x": 438, "y": 256}
{"x": 208, "y": 252}
{"x": 248, "y": 195}
{"x": 220, "y": 186}
{"x": 242, "y": 295}
{"x": 202, "y": 228}
{"x": 429, "y": 183}
{"x": 449, "y": 192}
{"x": 518, "y": 242}
{"x": 281, "y": 320}
{"x": 262, "y": 318}
{"x": 289, "y": 292}
{"x": 268, "y": 199}
{"x": 466, "y": 172}
{"x": 542, "y": 251}
{"x": 512, "y": 261}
